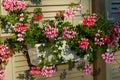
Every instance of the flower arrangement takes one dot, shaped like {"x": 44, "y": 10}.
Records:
{"x": 94, "y": 35}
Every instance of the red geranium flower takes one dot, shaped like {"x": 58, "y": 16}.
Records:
{"x": 41, "y": 16}
{"x": 36, "y": 17}
{"x": 83, "y": 43}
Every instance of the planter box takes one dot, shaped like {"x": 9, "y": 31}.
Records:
{"x": 63, "y": 73}
{"x": 66, "y": 53}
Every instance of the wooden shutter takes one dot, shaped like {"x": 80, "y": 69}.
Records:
{"x": 17, "y": 66}
{"x": 20, "y": 65}
{"x": 112, "y": 73}
{"x": 112, "y": 14}
{"x": 111, "y": 9}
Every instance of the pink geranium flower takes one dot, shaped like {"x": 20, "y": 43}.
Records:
{"x": 79, "y": 7}
{"x": 51, "y": 32}
{"x": 69, "y": 13}
{"x": 108, "y": 57}
{"x": 47, "y": 71}
{"x": 4, "y": 57}
{"x": 20, "y": 37}
{"x": 8, "y": 5}
{"x": 21, "y": 17}
{"x": 83, "y": 43}
{"x": 23, "y": 4}
{"x": 50, "y": 73}
{"x": 11, "y": 5}
{"x": 116, "y": 29}
{"x": 98, "y": 39}
{"x": 87, "y": 69}
{"x": 68, "y": 34}
{"x": 44, "y": 71}
{"x": 2, "y": 72}
{"x": 4, "y": 53}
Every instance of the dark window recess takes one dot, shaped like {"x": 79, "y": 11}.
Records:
{"x": 112, "y": 10}
{"x": 7, "y": 28}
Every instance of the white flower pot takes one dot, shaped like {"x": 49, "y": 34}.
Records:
{"x": 66, "y": 54}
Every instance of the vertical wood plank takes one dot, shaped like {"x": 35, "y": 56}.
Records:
{"x": 97, "y": 8}
{"x": 99, "y": 64}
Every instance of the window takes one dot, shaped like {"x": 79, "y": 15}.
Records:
{"x": 112, "y": 9}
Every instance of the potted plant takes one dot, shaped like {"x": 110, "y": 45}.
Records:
{"x": 57, "y": 39}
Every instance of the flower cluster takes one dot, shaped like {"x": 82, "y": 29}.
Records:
{"x": 108, "y": 57}
{"x": 68, "y": 34}
{"x": 21, "y": 17}
{"x": 20, "y": 37}
{"x": 69, "y": 13}
{"x": 45, "y": 71}
{"x": 20, "y": 28}
{"x": 109, "y": 40}
{"x": 2, "y": 71}
{"x": 4, "y": 53}
{"x": 98, "y": 39}
{"x": 38, "y": 17}
{"x": 87, "y": 69}
{"x": 89, "y": 20}
{"x": 79, "y": 7}
{"x": 117, "y": 29}
{"x": 11, "y": 5}
{"x": 4, "y": 58}
{"x": 83, "y": 43}
{"x": 51, "y": 32}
